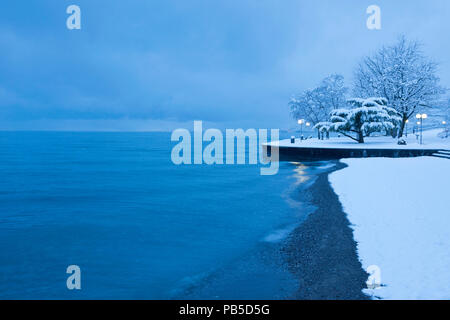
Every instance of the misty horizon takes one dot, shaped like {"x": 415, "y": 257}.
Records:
{"x": 157, "y": 67}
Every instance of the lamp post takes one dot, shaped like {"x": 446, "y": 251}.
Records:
{"x": 421, "y": 117}
{"x": 417, "y": 130}
{"x": 301, "y": 122}
{"x": 406, "y": 125}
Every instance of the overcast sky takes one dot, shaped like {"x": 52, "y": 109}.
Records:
{"x": 159, "y": 65}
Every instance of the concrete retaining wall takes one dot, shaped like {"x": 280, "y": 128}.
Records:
{"x": 297, "y": 154}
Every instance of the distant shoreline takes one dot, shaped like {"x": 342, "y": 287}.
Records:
{"x": 321, "y": 252}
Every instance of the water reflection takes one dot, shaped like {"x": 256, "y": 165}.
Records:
{"x": 300, "y": 173}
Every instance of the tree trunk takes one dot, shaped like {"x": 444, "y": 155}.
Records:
{"x": 360, "y": 137}
{"x": 402, "y": 126}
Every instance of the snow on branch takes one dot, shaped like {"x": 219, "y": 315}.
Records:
{"x": 401, "y": 74}
{"x": 364, "y": 117}
{"x": 314, "y": 105}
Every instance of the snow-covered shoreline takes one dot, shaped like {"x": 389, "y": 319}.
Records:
{"x": 401, "y": 222}
{"x": 430, "y": 138}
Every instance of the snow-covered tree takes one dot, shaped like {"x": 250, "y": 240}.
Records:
{"x": 364, "y": 117}
{"x": 403, "y": 75}
{"x": 333, "y": 91}
{"x": 315, "y": 105}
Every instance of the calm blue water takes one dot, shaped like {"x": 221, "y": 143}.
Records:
{"x": 138, "y": 226}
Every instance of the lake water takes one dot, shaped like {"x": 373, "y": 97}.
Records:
{"x": 138, "y": 226}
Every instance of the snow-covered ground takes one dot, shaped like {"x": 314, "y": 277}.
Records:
{"x": 430, "y": 141}
{"x": 401, "y": 220}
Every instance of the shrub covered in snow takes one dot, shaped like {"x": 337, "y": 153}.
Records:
{"x": 364, "y": 117}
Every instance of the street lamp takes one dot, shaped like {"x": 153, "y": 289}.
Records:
{"x": 308, "y": 124}
{"x": 421, "y": 117}
{"x": 301, "y": 122}
{"x": 406, "y": 125}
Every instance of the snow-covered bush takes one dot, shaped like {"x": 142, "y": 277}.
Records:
{"x": 364, "y": 117}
